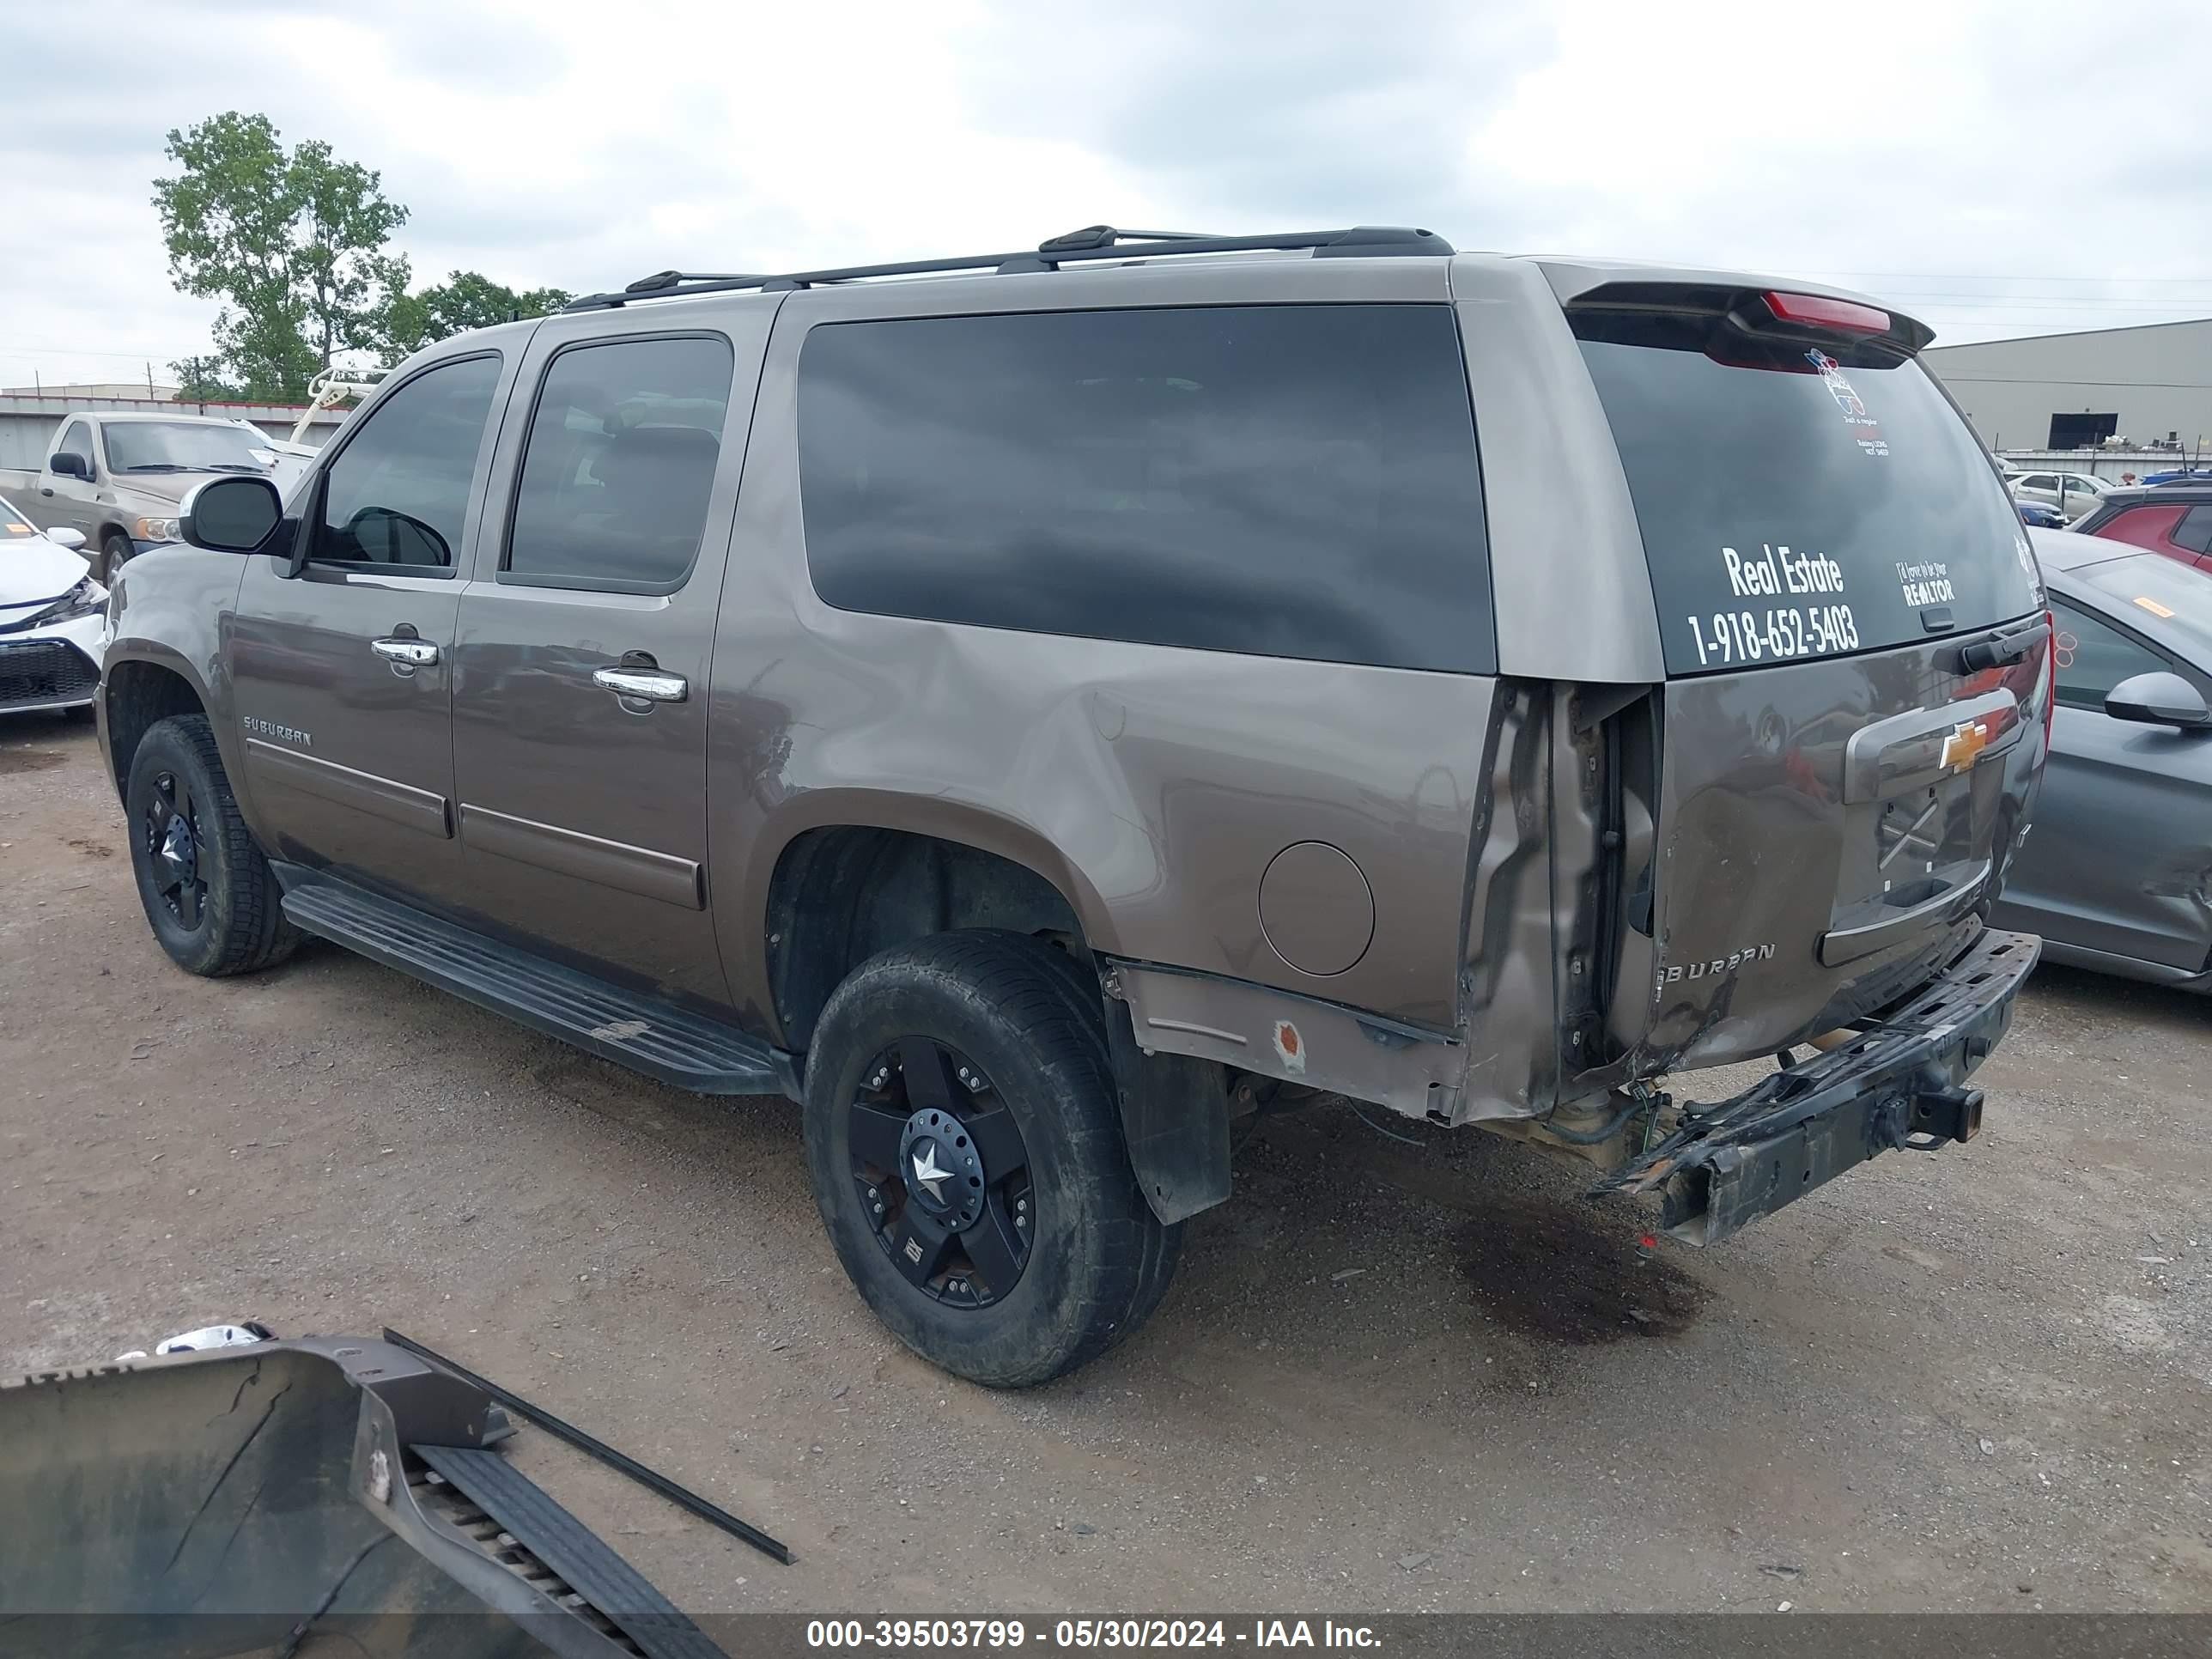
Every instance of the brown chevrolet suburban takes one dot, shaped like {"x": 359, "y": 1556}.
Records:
{"x": 1031, "y": 708}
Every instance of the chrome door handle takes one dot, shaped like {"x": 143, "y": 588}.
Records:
{"x": 415, "y": 654}
{"x": 647, "y": 684}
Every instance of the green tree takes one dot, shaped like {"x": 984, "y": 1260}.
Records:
{"x": 464, "y": 301}
{"x": 292, "y": 241}
{"x": 199, "y": 381}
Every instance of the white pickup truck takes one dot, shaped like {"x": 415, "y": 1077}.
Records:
{"x": 116, "y": 477}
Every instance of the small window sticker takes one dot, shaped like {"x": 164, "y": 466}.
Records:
{"x": 16, "y": 529}
{"x": 1926, "y": 583}
{"x": 2152, "y": 605}
{"x": 1867, "y": 430}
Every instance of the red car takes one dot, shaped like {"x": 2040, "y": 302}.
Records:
{"x": 2175, "y": 519}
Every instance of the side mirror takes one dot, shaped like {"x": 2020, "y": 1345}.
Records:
{"x": 230, "y": 515}
{"x": 68, "y": 464}
{"x": 2158, "y": 699}
{"x": 72, "y": 540}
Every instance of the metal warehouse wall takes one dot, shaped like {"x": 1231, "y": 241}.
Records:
{"x": 2157, "y": 380}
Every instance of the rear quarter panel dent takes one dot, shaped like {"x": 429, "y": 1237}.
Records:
{"x": 1151, "y": 784}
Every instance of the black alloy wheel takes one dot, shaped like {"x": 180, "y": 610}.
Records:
{"x": 210, "y": 894}
{"x": 965, "y": 1146}
{"x": 942, "y": 1173}
{"x": 170, "y": 828}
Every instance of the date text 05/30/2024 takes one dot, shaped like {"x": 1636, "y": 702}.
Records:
{"x": 944, "y": 1635}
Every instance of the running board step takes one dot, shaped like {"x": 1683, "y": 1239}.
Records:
{"x": 592, "y": 1571}
{"x": 644, "y": 1033}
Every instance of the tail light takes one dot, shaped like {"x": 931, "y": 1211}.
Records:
{"x": 2050, "y": 674}
{"x": 1818, "y": 311}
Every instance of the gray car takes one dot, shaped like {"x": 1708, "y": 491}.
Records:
{"x": 1033, "y": 709}
{"x": 2115, "y": 874}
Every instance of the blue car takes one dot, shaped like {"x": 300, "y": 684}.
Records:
{"x": 2038, "y": 515}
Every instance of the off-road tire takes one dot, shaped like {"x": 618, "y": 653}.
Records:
{"x": 1101, "y": 1260}
{"x": 241, "y": 925}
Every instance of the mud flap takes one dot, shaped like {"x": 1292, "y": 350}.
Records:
{"x": 1175, "y": 1113}
{"x": 1896, "y": 1084}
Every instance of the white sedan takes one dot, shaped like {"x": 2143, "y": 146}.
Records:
{"x": 52, "y": 616}
{"x": 2072, "y": 493}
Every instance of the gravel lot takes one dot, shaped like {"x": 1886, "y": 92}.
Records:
{"x": 1388, "y": 1377}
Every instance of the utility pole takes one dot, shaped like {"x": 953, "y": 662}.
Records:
{"x": 150, "y": 382}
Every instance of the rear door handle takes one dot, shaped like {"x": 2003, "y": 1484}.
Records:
{"x": 647, "y": 684}
{"x": 1999, "y": 651}
{"x": 414, "y": 653}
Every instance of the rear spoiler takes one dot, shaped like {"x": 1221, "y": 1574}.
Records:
{"x": 1720, "y": 294}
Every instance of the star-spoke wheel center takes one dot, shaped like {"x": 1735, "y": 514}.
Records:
{"x": 178, "y": 855}
{"x": 172, "y": 848}
{"x": 941, "y": 1171}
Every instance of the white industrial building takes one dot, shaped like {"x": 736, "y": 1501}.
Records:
{"x": 2148, "y": 388}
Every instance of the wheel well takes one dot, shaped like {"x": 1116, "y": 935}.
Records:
{"x": 139, "y": 694}
{"x": 841, "y": 895}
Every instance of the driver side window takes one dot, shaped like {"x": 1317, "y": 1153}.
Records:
{"x": 399, "y": 493}
{"x": 2094, "y": 657}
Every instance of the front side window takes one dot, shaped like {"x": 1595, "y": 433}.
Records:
{"x": 77, "y": 442}
{"x": 2093, "y": 657}
{"x": 181, "y": 447}
{"x": 398, "y": 492}
{"x": 1286, "y": 481}
{"x": 620, "y": 461}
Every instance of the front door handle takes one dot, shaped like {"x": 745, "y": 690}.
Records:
{"x": 413, "y": 654}
{"x": 647, "y": 684}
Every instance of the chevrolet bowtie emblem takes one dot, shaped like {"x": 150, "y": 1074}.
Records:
{"x": 928, "y": 1172}
{"x": 1964, "y": 744}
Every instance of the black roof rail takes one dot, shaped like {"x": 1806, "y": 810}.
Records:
{"x": 1093, "y": 242}
{"x": 668, "y": 279}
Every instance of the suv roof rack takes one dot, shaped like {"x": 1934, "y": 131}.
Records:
{"x": 1092, "y": 242}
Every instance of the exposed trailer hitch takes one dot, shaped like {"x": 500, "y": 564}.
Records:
{"x": 1899, "y": 1083}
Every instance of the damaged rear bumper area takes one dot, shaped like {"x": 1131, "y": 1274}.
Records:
{"x": 1898, "y": 1084}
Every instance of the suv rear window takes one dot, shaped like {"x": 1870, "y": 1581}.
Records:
{"x": 1287, "y": 481}
{"x": 1798, "y": 500}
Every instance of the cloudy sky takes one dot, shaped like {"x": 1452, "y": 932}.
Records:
{"x": 1996, "y": 167}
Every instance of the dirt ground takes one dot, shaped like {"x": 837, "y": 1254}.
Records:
{"x": 1389, "y": 1376}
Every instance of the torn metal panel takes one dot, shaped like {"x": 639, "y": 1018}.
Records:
{"x": 1897, "y": 1085}
{"x": 1509, "y": 989}
{"x": 1255, "y": 1028}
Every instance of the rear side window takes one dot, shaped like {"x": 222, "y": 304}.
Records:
{"x": 2195, "y": 530}
{"x": 1798, "y": 500}
{"x": 1288, "y": 481}
{"x": 398, "y": 492}
{"x": 620, "y": 458}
